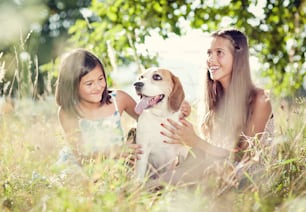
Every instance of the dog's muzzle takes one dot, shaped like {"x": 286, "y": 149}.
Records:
{"x": 138, "y": 86}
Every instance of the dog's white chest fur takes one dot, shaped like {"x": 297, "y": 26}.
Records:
{"x": 157, "y": 155}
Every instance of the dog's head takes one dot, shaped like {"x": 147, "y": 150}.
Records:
{"x": 156, "y": 86}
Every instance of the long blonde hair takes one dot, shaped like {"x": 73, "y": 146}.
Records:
{"x": 228, "y": 113}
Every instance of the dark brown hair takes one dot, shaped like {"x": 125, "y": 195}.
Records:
{"x": 74, "y": 65}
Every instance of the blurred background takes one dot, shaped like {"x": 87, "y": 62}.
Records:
{"x": 129, "y": 36}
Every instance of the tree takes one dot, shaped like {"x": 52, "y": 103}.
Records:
{"x": 113, "y": 29}
{"x": 276, "y": 31}
{"x": 35, "y": 33}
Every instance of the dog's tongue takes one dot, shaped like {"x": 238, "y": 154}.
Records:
{"x": 146, "y": 102}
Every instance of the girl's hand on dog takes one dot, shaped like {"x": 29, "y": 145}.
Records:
{"x": 185, "y": 109}
{"x": 180, "y": 133}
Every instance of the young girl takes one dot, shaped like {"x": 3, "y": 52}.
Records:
{"x": 236, "y": 111}
{"x": 89, "y": 112}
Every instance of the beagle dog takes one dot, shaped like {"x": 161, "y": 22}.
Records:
{"x": 161, "y": 95}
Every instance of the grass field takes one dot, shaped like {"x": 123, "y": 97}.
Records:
{"x": 30, "y": 139}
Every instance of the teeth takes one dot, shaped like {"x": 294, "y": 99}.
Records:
{"x": 213, "y": 68}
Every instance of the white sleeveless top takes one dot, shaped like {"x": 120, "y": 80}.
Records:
{"x": 97, "y": 135}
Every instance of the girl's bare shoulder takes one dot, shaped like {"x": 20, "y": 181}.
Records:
{"x": 121, "y": 93}
{"x": 262, "y": 101}
{"x": 126, "y": 103}
{"x": 123, "y": 96}
{"x": 66, "y": 120}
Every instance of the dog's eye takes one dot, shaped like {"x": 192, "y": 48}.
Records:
{"x": 156, "y": 77}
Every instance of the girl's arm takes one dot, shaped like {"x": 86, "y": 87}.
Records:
{"x": 260, "y": 114}
{"x": 126, "y": 103}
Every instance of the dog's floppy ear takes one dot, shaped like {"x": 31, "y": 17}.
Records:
{"x": 177, "y": 95}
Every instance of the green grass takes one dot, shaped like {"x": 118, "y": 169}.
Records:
{"x": 31, "y": 139}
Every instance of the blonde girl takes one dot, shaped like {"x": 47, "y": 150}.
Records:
{"x": 236, "y": 111}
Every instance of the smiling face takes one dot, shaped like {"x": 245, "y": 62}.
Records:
{"x": 92, "y": 86}
{"x": 220, "y": 60}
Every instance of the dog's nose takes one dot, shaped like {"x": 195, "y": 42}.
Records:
{"x": 138, "y": 85}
